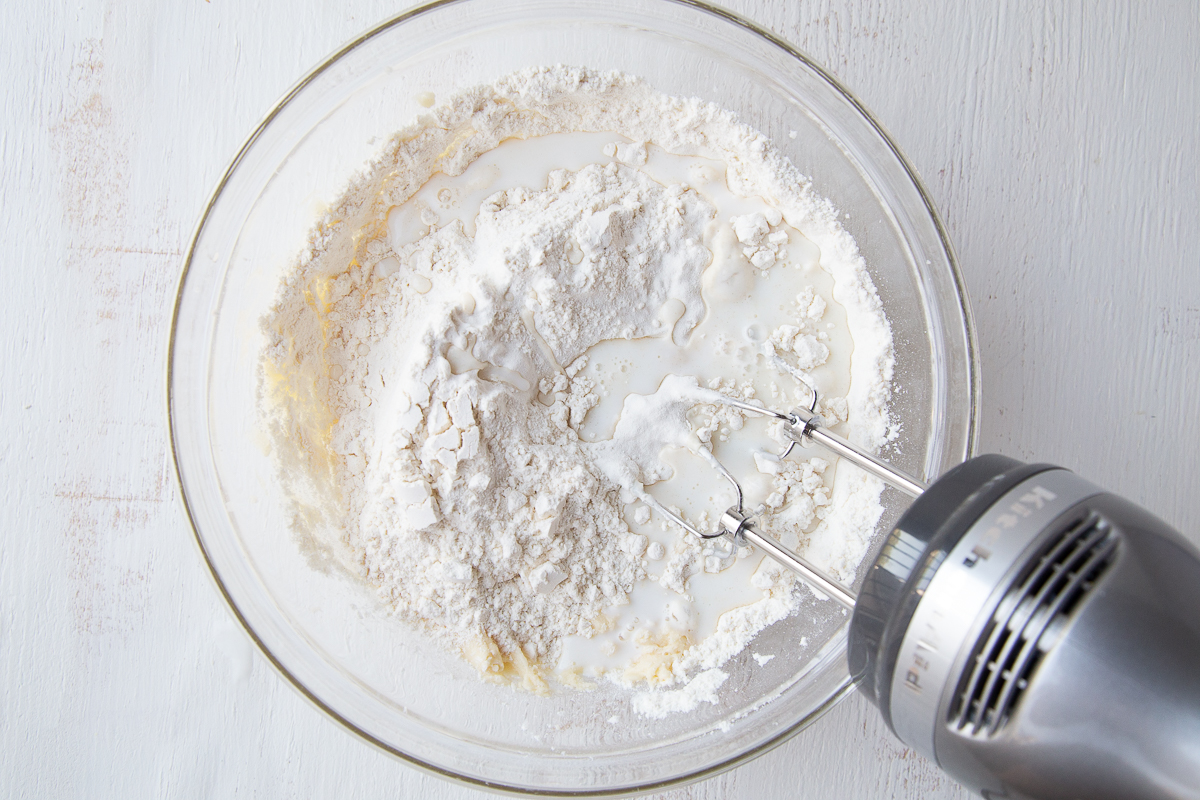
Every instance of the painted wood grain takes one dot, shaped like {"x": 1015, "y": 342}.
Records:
{"x": 1059, "y": 141}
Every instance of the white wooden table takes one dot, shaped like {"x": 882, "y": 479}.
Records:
{"x": 1059, "y": 141}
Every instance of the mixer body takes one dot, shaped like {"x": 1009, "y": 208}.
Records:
{"x": 1036, "y": 637}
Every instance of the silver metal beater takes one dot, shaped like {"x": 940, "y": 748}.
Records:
{"x": 802, "y": 426}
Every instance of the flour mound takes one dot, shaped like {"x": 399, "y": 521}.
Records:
{"x": 484, "y": 514}
{"x": 426, "y": 398}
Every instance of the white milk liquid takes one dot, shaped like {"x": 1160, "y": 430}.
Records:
{"x": 744, "y": 305}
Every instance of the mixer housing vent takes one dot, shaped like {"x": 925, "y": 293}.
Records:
{"x": 1027, "y": 623}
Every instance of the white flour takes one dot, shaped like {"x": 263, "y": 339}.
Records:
{"x": 427, "y": 388}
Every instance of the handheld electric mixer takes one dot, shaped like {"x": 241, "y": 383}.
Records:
{"x": 1033, "y": 634}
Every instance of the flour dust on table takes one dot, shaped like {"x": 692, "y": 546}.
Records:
{"x": 504, "y": 349}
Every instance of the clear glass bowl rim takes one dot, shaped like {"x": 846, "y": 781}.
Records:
{"x": 769, "y": 39}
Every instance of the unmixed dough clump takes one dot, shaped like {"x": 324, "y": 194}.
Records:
{"x": 427, "y": 395}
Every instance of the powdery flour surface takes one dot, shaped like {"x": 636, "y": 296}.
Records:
{"x": 443, "y": 390}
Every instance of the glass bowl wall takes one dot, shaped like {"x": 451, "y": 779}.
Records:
{"x": 327, "y": 634}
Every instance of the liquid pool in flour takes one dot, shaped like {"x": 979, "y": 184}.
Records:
{"x": 503, "y": 348}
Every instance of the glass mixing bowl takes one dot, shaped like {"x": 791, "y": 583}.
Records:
{"x": 328, "y": 635}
